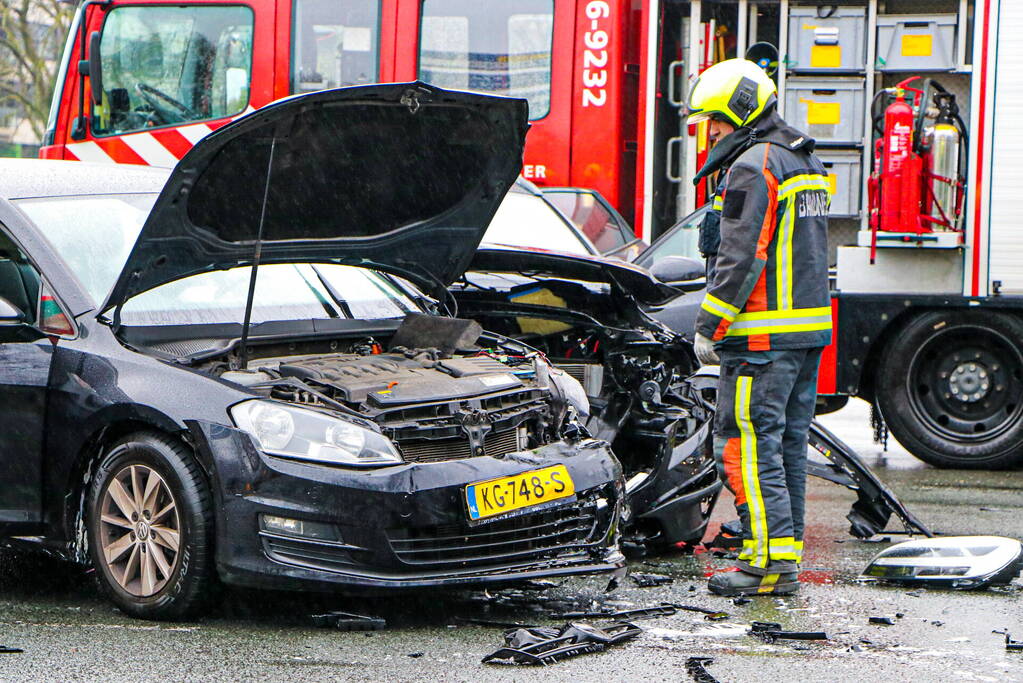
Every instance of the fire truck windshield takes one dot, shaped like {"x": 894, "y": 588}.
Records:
{"x": 501, "y": 48}
{"x": 334, "y": 44}
{"x": 165, "y": 65}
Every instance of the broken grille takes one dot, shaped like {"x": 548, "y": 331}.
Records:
{"x": 438, "y": 450}
{"x": 541, "y": 534}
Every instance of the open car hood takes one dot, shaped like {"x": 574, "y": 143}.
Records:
{"x": 400, "y": 177}
{"x": 634, "y": 280}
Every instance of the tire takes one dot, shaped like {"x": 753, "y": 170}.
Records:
{"x": 950, "y": 387}
{"x": 132, "y": 545}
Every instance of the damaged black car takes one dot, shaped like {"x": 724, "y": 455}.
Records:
{"x": 588, "y": 315}
{"x": 235, "y": 372}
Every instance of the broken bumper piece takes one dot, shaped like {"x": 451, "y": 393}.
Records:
{"x": 544, "y": 645}
{"x": 285, "y": 524}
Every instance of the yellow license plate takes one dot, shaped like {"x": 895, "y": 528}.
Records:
{"x": 498, "y": 496}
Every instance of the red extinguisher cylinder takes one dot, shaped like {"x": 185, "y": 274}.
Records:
{"x": 899, "y": 176}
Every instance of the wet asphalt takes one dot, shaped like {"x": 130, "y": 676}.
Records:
{"x": 68, "y": 632}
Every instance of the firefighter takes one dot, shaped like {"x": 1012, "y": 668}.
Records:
{"x": 766, "y": 315}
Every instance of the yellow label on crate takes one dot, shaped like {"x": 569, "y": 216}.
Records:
{"x": 823, "y": 113}
{"x": 497, "y": 496}
{"x": 833, "y": 181}
{"x": 917, "y": 45}
{"x": 826, "y": 56}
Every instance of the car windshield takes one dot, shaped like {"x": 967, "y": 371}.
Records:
{"x": 683, "y": 239}
{"x": 525, "y": 220}
{"x": 95, "y": 234}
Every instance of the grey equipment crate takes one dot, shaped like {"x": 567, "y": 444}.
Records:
{"x": 843, "y": 169}
{"x": 832, "y": 43}
{"x": 831, "y": 110}
{"x": 908, "y": 42}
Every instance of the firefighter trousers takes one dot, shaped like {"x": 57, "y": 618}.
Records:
{"x": 764, "y": 409}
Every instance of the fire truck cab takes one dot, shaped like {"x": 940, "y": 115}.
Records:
{"x": 928, "y": 308}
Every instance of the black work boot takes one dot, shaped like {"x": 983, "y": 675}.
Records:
{"x": 743, "y": 583}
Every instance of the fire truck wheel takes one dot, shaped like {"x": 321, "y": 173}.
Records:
{"x": 950, "y": 387}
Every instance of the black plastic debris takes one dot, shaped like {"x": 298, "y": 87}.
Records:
{"x": 881, "y": 621}
{"x": 708, "y": 614}
{"x": 768, "y": 631}
{"x": 6, "y": 650}
{"x": 665, "y": 609}
{"x": 696, "y": 667}
{"x": 741, "y": 601}
{"x": 1010, "y": 644}
{"x": 346, "y": 621}
{"x": 650, "y": 580}
{"x": 416, "y": 655}
{"x": 545, "y": 645}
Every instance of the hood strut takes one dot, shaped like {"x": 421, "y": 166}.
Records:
{"x": 244, "y": 343}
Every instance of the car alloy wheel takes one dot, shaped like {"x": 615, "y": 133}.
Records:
{"x": 139, "y": 530}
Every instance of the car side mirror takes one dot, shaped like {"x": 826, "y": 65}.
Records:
{"x": 10, "y": 315}
{"x": 679, "y": 271}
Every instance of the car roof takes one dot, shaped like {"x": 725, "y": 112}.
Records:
{"x": 20, "y": 178}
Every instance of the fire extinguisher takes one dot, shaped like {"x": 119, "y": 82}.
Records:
{"x": 917, "y": 182}
{"x": 901, "y": 166}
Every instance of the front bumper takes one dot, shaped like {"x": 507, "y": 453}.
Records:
{"x": 405, "y": 526}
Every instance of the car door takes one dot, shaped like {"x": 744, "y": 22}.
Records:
{"x": 25, "y": 355}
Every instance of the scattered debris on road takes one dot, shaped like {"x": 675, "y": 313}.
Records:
{"x": 881, "y": 621}
{"x": 696, "y": 667}
{"x": 346, "y": 621}
{"x": 1010, "y": 644}
{"x": 545, "y": 645}
{"x": 768, "y": 631}
{"x": 650, "y": 580}
{"x": 6, "y": 650}
{"x": 665, "y": 609}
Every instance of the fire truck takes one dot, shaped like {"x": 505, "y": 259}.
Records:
{"x": 914, "y": 104}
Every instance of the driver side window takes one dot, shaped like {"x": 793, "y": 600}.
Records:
{"x": 19, "y": 280}
{"x": 167, "y": 65}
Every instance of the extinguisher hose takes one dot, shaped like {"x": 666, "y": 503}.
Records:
{"x": 876, "y": 114}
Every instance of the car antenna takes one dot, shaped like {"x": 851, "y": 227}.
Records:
{"x": 243, "y": 355}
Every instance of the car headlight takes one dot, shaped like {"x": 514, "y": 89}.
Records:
{"x": 292, "y": 432}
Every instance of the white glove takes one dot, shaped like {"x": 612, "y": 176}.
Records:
{"x": 705, "y": 352}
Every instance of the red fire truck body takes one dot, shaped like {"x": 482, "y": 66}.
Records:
{"x": 928, "y": 323}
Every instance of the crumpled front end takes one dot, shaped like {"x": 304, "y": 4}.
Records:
{"x": 288, "y": 525}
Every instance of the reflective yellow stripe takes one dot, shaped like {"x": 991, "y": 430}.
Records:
{"x": 767, "y": 583}
{"x": 723, "y": 304}
{"x": 750, "y": 474}
{"x": 798, "y": 547}
{"x": 801, "y": 183}
{"x": 720, "y": 312}
{"x": 783, "y": 256}
{"x": 719, "y": 203}
{"x": 716, "y": 306}
{"x": 780, "y": 322}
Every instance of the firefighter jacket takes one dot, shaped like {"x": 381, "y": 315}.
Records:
{"x": 769, "y": 280}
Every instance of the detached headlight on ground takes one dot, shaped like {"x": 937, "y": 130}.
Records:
{"x": 292, "y": 432}
{"x": 951, "y": 561}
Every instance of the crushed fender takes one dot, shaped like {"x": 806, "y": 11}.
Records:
{"x": 768, "y": 631}
{"x": 696, "y": 667}
{"x": 545, "y": 645}
{"x": 346, "y": 621}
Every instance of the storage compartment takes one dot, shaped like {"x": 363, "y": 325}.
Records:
{"x": 843, "y": 169}
{"x": 830, "y": 111}
{"x": 909, "y": 42}
{"x": 831, "y": 43}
